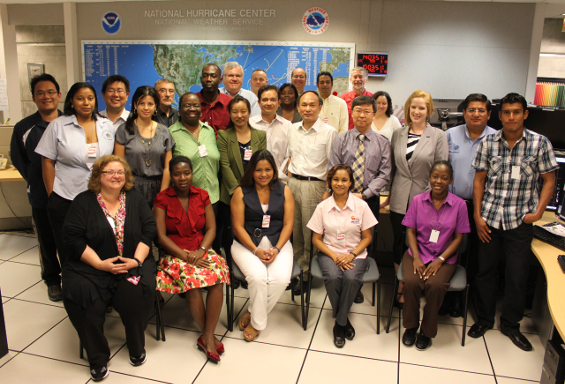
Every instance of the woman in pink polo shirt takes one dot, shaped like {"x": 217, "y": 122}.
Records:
{"x": 435, "y": 223}
{"x": 342, "y": 232}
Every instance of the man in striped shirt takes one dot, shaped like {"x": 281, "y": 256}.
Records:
{"x": 507, "y": 201}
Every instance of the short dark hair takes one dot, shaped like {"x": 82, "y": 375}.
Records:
{"x": 68, "y": 109}
{"x": 238, "y": 99}
{"x": 179, "y": 159}
{"x": 140, "y": 93}
{"x": 476, "y": 97}
{"x": 378, "y": 94}
{"x": 512, "y": 98}
{"x": 268, "y": 87}
{"x": 114, "y": 78}
{"x": 40, "y": 78}
{"x": 337, "y": 167}
{"x": 214, "y": 65}
{"x": 324, "y": 73}
{"x": 362, "y": 100}
{"x": 320, "y": 100}
{"x": 442, "y": 162}
{"x": 182, "y": 97}
{"x": 247, "y": 180}
{"x": 293, "y": 87}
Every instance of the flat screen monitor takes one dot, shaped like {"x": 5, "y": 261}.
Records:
{"x": 558, "y": 193}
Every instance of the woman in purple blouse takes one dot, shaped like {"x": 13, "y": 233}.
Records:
{"x": 435, "y": 223}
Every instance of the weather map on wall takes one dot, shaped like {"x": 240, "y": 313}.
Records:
{"x": 144, "y": 62}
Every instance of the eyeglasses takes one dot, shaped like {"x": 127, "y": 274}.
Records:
{"x": 118, "y": 91}
{"x": 114, "y": 173}
{"x": 480, "y": 111}
{"x": 360, "y": 111}
{"x": 50, "y": 92}
{"x": 164, "y": 90}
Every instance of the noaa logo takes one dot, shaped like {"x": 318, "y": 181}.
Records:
{"x": 111, "y": 23}
{"x": 315, "y": 21}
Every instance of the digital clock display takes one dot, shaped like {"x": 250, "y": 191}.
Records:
{"x": 375, "y": 63}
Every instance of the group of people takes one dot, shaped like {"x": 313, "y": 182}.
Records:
{"x": 249, "y": 171}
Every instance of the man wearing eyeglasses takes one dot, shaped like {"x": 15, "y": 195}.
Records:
{"x": 115, "y": 92}
{"x": 233, "y": 81}
{"x": 463, "y": 142}
{"x": 27, "y": 134}
{"x": 166, "y": 114}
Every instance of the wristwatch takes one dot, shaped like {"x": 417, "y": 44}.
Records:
{"x": 442, "y": 259}
{"x": 204, "y": 249}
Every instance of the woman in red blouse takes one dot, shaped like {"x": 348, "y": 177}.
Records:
{"x": 186, "y": 228}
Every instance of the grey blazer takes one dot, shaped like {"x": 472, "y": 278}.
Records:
{"x": 410, "y": 178}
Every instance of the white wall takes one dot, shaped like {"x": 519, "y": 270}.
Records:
{"x": 552, "y": 61}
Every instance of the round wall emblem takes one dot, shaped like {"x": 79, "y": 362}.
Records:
{"x": 111, "y": 23}
{"x": 315, "y": 21}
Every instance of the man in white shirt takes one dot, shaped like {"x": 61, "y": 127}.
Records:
{"x": 310, "y": 142}
{"x": 334, "y": 111}
{"x": 258, "y": 79}
{"x": 115, "y": 92}
{"x": 233, "y": 81}
{"x": 275, "y": 126}
{"x": 298, "y": 77}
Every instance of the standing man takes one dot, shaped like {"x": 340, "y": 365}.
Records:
{"x": 368, "y": 154}
{"x": 214, "y": 104}
{"x": 359, "y": 77}
{"x": 115, "y": 92}
{"x": 258, "y": 79}
{"x": 275, "y": 126}
{"x": 233, "y": 81}
{"x": 166, "y": 114}
{"x": 508, "y": 166}
{"x": 298, "y": 78}
{"x": 334, "y": 112}
{"x": 27, "y": 134}
{"x": 310, "y": 142}
{"x": 463, "y": 142}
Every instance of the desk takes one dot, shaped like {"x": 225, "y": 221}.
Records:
{"x": 547, "y": 256}
{"x": 15, "y": 211}
{"x": 10, "y": 174}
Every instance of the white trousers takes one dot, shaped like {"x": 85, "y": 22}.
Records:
{"x": 266, "y": 283}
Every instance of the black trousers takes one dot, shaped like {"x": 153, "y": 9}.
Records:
{"x": 399, "y": 233}
{"x": 50, "y": 267}
{"x": 57, "y": 208}
{"x": 375, "y": 204}
{"x": 516, "y": 245}
{"x": 134, "y": 310}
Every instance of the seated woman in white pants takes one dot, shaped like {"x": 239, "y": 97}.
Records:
{"x": 262, "y": 211}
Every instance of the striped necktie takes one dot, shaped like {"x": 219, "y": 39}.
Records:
{"x": 359, "y": 166}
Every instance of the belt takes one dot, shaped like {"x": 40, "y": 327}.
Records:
{"x": 308, "y": 178}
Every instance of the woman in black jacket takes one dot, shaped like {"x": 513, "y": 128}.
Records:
{"x": 108, "y": 233}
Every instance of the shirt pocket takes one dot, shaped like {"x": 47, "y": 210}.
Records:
{"x": 316, "y": 153}
{"x": 528, "y": 167}
{"x": 495, "y": 167}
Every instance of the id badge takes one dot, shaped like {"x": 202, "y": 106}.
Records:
{"x": 266, "y": 221}
{"x": 515, "y": 172}
{"x": 434, "y": 236}
{"x": 134, "y": 279}
{"x": 91, "y": 151}
{"x": 247, "y": 154}
{"x": 326, "y": 119}
{"x": 341, "y": 237}
{"x": 202, "y": 150}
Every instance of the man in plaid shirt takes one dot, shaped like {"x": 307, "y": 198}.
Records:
{"x": 507, "y": 200}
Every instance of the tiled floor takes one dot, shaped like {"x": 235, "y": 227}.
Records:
{"x": 44, "y": 345}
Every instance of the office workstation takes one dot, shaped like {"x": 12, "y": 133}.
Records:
{"x": 449, "y": 49}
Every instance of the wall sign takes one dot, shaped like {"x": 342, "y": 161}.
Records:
{"x": 315, "y": 21}
{"x": 375, "y": 63}
{"x": 111, "y": 23}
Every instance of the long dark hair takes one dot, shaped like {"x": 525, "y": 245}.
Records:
{"x": 247, "y": 180}
{"x": 338, "y": 167}
{"x": 68, "y": 109}
{"x": 139, "y": 94}
{"x": 237, "y": 99}
{"x": 378, "y": 94}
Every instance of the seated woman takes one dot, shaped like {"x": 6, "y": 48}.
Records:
{"x": 186, "y": 228}
{"x": 262, "y": 209}
{"x": 108, "y": 232}
{"x": 435, "y": 223}
{"x": 342, "y": 232}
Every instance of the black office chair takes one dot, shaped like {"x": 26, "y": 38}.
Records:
{"x": 457, "y": 283}
{"x": 371, "y": 275}
{"x": 235, "y": 273}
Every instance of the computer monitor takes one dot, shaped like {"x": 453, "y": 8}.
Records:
{"x": 558, "y": 193}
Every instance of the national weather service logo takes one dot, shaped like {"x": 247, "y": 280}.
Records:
{"x": 315, "y": 21}
{"x": 111, "y": 23}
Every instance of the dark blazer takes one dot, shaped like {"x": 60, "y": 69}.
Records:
{"x": 410, "y": 178}
{"x": 86, "y": 225}
{"x": 231, "y": 164}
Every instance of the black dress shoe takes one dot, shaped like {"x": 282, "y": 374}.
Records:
{"x": 359, "y": 298}
{"x": 517, "y": 338}
{"x": 423, "y": 342}
{"x": 479, "y": 329}
{"x": 349, "y": 331}
{"x": 99, "y": 374}
{"x": 455, "y": 310}
{"x": 409, "y": 337}
{"x": 295, "y": 287}
{"x": 54, "y": 292}
{"x": 443, "y": 310}
{"x": 235, "y": 283}
{"x": 339, "y": 337}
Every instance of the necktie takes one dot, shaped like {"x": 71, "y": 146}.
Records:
{"x": 359, "y": 166}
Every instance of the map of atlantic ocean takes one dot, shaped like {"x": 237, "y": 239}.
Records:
{"x": 143, "y": 63}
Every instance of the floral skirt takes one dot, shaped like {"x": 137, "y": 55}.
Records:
{"x": 177, "y": 276}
